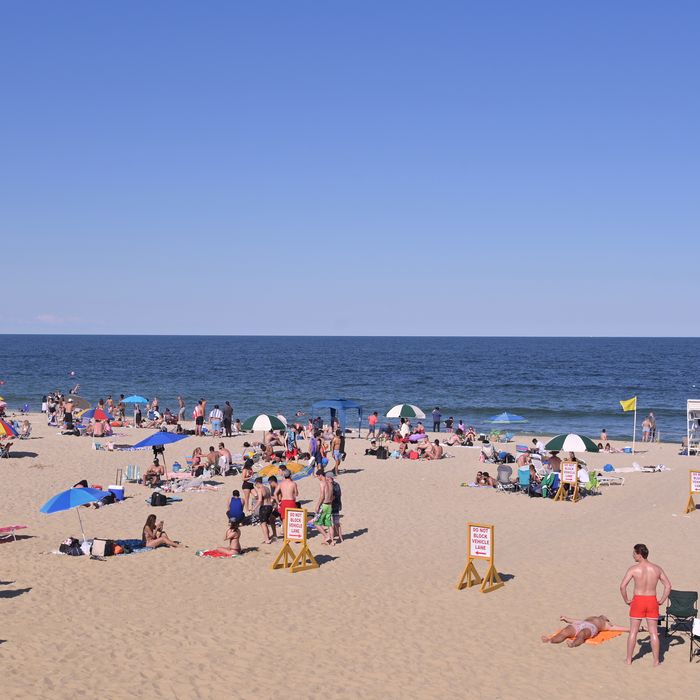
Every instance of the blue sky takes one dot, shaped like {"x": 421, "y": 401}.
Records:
{"x": 447, "y": 168}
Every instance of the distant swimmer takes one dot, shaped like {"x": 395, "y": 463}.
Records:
{"x": 644, "y": 604}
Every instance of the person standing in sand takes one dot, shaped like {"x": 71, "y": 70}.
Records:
{"x": 198, "y": 417}
{"x": 265, "y": 513}
{"x": 644, "y": 604}
{"x": 324, "y": 517}
{"x": 180, "y": 409}
{"x": 287, "y": 493}
{"x": 228, "y": 418}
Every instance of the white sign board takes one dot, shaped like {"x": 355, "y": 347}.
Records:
{"x": 568, "y": 472}
{"x": 694, "y": 482}
{"x": 295, "y": 524}
{"x": 480, "y": 542}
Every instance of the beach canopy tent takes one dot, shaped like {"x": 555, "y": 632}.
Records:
{"x": 338, "y": 408}
{"x": 693, "y": 411}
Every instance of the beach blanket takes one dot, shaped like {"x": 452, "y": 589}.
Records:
{"x": 216, "y": 554}
{"x": 601, "y": 637}
{"x": 136, "y": 547}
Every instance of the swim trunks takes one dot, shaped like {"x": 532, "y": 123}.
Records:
{"x": 265, "y": 514}
{"x": 216, "y": 425}
{"x": 644, "y": 606}
{"x": 248, "y": 486}
{"x": 199, "y": 420}
{"x": 324, "y": 517}
{"x": 284, "y": 504}
{"x": 337, "y": 454}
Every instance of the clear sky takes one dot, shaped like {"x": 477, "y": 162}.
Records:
{"x": 364, "y": 167}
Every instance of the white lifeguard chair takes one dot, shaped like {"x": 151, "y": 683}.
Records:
{"x": 693, "y": 415}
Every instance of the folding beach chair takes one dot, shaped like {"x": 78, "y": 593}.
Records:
{"x": 682, "y": 606}
{"x": 503, "y": 478}
{"x": 524, "y": 480}
{"x": 9, "y": 531}
{"x": 133, "y": 473}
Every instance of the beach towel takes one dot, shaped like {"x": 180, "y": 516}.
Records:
{"x": 136, "y": 547}
{"x": 601, "y": 637}
{"x": 215, "y": 554}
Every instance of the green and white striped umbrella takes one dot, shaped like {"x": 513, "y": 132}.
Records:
{"x": 405, "y": 410}
{"x": 263, "y": 421}
{"x": 571, "y": 442}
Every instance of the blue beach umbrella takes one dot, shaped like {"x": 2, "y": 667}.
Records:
{"x": 135, "y": 399}
{"x": 506, "y": 417}
{"x": 72, "y": 498}
{"x": 158, "y": 439}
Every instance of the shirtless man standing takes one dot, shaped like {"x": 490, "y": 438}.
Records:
{"x": 324, "y": 518}
{"x": 337, "y": 451}
{"x": 287, "y": 493}
{"x": 265, "y": 513}
{"x": 180, "y": 409}
{"x": 644, "y": 604}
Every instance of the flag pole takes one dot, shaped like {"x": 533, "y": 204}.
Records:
{"x": 634, "y": 427}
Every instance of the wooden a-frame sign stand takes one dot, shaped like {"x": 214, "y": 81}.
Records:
{"x": 694, "y": 490}
{"x": 566, "y": 479}
{"x": 480, "y": 545}
{"x": 295, "y": 531}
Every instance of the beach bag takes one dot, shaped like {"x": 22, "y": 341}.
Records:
{"x": 102, "y": 548}
{"x": 413, "y": 455}
{"x": 71, "y": 547}
{"x": 158, "y": 499}
{"x": 382, "y": 452}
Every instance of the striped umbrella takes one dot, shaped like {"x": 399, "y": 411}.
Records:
{"x": 571, "y": 442}
{"x": 6, "y": 429}
{"x": 263, "y": 421}
{"x": 405, "y": 410}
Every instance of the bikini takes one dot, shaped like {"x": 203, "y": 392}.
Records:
{"x": 585, "y": 625}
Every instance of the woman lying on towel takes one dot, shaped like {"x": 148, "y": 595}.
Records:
{"x": 154, "y": 536}
{"x": 578, "y": 631}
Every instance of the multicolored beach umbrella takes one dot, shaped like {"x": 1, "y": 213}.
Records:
{"x": 571, "y": 442}
{"x": 405, "y": 410}
{"x": 263, "y": 421}
{"x": 97, "y": 414}
{"x": 506, "y": 417}
{"x": 7, "y": 429}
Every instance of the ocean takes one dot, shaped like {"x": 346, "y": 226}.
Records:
{"x": 557, "y": 384}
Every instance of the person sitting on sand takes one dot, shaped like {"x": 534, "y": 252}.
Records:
{"x": 233, "y": 537}
{"x": 153, "y": 534}
{"x": 436, "y": 451}
{"x": 153, "y": 474}
{"x": 273, "y": 439}
{"x": 197, "y": 466}
{"x": 578, "y": 631}
{"x": 457, "y": 438}
{"x": 485, "y": 479}
{"x": 26, "y": 429}
{"x": 554, "y": 462}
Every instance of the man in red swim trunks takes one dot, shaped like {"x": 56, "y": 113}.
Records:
{"x": 644, "y": 604}
{"x": 287, "y": 493}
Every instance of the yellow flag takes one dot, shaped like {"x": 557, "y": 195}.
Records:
{"x": 630, "y": 404}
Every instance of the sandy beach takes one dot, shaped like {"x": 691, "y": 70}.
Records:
{"x": 380, "y": 617}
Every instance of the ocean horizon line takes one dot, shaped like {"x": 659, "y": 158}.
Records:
{"x": 348, "y": 335}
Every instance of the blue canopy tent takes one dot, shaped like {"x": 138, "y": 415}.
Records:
{"x": 338, "y": 408}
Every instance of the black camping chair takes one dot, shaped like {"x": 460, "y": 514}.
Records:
{"x": 682, "y": 606}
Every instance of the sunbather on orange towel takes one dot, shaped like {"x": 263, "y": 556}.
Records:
{"x": 578, "y": 631}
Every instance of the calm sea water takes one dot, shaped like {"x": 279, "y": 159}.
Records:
{"x": 558, "y": 384}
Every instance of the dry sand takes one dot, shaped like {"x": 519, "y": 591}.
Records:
{"x": 380, "y": 617}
